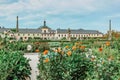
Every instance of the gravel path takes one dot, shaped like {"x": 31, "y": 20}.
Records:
{"x": 33, "y": 64}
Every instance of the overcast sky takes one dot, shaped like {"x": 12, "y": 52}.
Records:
{"x": 74, "y": 14}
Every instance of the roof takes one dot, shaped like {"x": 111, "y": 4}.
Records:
{"x": 79, "y": 31}
{"x": 25, "y": 30}
{"x": 30, "y": 31}
{"x": 22, "y": 30}
{"x": 3, "y": 29}
{"x": 44, "y": 27}
{"x": 63, "y": 31}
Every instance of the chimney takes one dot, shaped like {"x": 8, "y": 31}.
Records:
{"x": 17, "y": 25}
{"x": 110, "y": 32}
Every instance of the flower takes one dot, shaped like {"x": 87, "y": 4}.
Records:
{"x": 100, "y": 49}
{"x": 37, "y": 50}
{"x": 45, "y": 52}
{"x": 107, "y": 43}
{"x": 56, "y": 50}
{"x": 66, "y": 47}
{"x": 93, "y": 58}
{"x": 82, "y": 47}
{"x": 110, "y": 58}
{"x": 59, "y": 49}
{"x": 74, "y": 48}
{"x": 29, "y": 47}
{"x": 69, "y": 53}
{"x": 46, "y": 60}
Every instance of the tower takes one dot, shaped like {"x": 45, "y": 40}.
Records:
{"x": 109, "y": 32}
{"x": 44, "y": 23}
{"x": 17, "y": 25}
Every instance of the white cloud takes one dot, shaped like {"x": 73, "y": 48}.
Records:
{"x": 114, "y": 16}
{"x": 31, "y": 10}
{"x": 52, "y": 6}
{"x": 46, "y": 5}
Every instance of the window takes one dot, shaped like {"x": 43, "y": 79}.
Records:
{"x": 44, "y": 31}
{"x": 76, "y": 35}
{"x": 59, "y": 35}
{"x": 25, "y": 37}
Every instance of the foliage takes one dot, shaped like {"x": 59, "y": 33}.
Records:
{"x": 13, "y": 30}
{"x": 106, "y": 62}
{"x": 41, "y": 46}
{"x": 16, "y": 46}
{"x": 86, "y": 60}
{"x": 13, "y": 66}
{"x": 54, "y": 44}
{"x": 64, "y": 64}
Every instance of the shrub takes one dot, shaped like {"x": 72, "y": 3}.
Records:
{"x": 13, "y": 66}
{"x": 64, "y": 65}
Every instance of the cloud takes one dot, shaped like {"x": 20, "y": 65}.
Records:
{"x": 63, "y": 11}
{"x": 45, "y": 6}
{"x": 52, "y": 6}
{"x": 7, "y": 1}
{"x": 114, "y": 16}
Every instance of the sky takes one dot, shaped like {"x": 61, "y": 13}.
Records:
{"x": 63, "y": 14}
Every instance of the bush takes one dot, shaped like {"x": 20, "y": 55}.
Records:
{"x": 64, "y": 65}
{"x": 13, "y": 66}
{"x": 76, "y": 61}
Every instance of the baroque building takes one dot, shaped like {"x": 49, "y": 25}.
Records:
{"x": 46, "y": 33}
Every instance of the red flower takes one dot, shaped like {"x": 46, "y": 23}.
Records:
{"x": 100, "y": 49}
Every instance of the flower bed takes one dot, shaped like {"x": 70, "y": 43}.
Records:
{"x": 81, "y": 62}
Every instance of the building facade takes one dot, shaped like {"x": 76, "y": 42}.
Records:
{"x": 46, "y": 33}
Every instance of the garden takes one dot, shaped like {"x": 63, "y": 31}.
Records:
{"x": 81, "y": 61}
{"x": 62, "y": 60}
